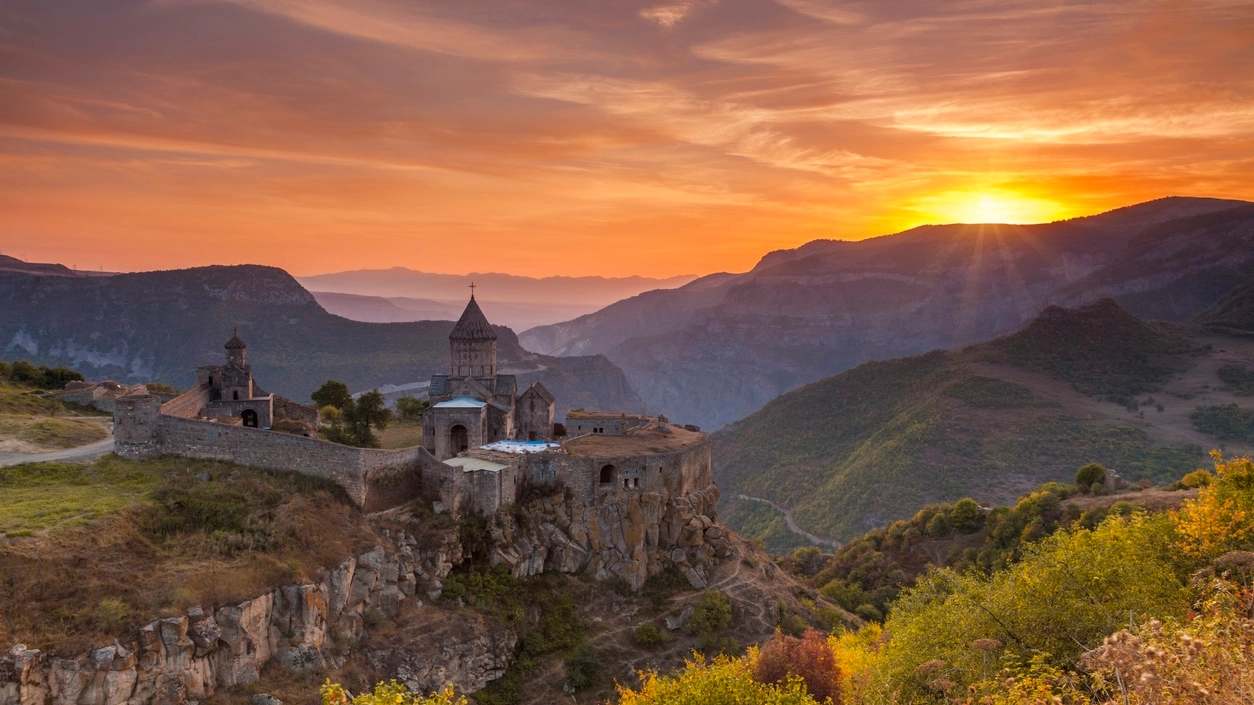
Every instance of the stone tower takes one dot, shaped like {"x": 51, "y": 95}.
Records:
{"x": 472, "y": 344}
{"x": 237, "y": 374}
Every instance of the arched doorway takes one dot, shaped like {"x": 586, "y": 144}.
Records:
{"x": 607, "y": 474}
{"x": 458, "y": 439}
{"x": 249, "y": 418}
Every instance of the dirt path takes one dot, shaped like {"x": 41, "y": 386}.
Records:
{"x": 90, "y": 451}
{"x": 792, "y": 525}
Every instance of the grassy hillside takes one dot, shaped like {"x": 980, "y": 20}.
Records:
{"x": 1234, "y": 312}
{"x": 861, "y": 449}
{"x": 91, "y": 549}
{"x": 32, "y": 422}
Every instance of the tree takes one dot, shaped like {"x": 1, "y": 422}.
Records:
{"x": 410, "y": 408}
{"x": 367, "y": 413}
{"x": 1221, "y": 518}
{"x": 1068, "y": 592}
{"x": 965, "y": 515}
{"x": 809, "y": 658}
{"x": 1089, "y": 475}
{"x": 332, "y": 393}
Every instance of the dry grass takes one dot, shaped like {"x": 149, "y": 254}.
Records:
{"x": 41, "y": 433}
{"x": 200, "y": 534}
{"x": 401, "y": 435}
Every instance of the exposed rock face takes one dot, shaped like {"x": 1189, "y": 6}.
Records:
{"x": 181, "y": 659}
{"x": 628, "y": 540}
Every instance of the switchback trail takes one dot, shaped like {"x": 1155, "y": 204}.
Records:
{"x": 792, "y": 525}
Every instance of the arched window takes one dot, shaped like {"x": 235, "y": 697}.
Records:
{"x": 607, "y": 475}
{"x": 249, "y": 418}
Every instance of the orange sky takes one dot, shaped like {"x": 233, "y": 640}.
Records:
{"x": 611, "y": 137}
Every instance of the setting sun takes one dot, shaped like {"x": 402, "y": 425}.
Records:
{"x": 990, "y": 207}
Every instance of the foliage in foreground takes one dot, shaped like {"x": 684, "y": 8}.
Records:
{"x": 724, "y": 681}
{"x": 390, "y": 693}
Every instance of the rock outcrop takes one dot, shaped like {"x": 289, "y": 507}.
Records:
{"x": 629, "y": 539}
{"x": 181, "y": 659}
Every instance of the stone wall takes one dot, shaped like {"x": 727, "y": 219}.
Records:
{"x": 374, "y": 479}
{"x": 285, "y": 408}
{"x": 188, "y": 404}
{"x": 183, "y": 659}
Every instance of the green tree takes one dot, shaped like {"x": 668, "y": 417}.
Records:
{"x": 410, "y": 408}
{"x": 965, "y": 515}
{"x": 1068, "y": 592}
{"x": 1086, "y": 476}
{"x": 364, "y": 415}
{"x": 332, "y": 393}
{"x": 712, "y": 613}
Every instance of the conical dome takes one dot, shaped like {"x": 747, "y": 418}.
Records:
{"x": 235, "y": 343}
{"x": 473, "y": 325}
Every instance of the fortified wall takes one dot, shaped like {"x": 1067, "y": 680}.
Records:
{"x": 374, "y": 479}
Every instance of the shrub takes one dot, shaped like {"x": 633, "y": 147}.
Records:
{"x": 583, "y": 668}
{"x": 809, "y": 658}
{"x": 712, "y": 613}
{"x": 650, "y": 637}
{"x": 1089, "y": 474}
{"x": 1195, "y": 479}
{"x": 390, "y": 693}
{"x": 110, "y": 613}
{"x": 965, "y": 515}
{"x": 939, "y": 526}
{"x": 724, "y": 681}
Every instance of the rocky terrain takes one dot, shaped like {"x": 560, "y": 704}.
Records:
{"x": 720, "y": 347}
{"x": 380, "y": 614}
{"x": 158, "y": 326}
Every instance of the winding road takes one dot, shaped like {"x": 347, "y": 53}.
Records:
{"x": 792, "y": 525}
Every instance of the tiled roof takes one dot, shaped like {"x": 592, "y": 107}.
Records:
{"x": 473, "y": 325}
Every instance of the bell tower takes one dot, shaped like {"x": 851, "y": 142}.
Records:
{"x": 472, "y": 344}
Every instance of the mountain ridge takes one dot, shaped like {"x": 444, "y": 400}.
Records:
{"x": 720, "y": 347}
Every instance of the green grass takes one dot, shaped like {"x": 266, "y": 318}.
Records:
{"x": 19, "y": 400}
{"x": 39, "y": 496}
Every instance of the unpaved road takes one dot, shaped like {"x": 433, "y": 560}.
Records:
{"x": 792, "y": 525}
{"x": 91, "y": 451}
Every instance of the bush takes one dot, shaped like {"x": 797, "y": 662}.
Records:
{"x": 939, "y": 526}
{"x": 1195, "y": 479}
{"x": 583, "y": 668}
{"x": 712, "y": 613}
{"x": 1088, "y": 475}
{"x": 390, "y": 693}
{"x": 965, "y": 515}
{"x": 650, "y": 637}
{"x": 809, "y": 658}
{"x": 724, "y": 681}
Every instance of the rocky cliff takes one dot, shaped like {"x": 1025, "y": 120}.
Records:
{"x": 719, "y": 348}
{"x": 628, "y": 540}
{"x": 312, "y": 626}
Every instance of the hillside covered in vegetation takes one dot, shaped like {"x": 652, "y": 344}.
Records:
{"x": 866, "y": 447}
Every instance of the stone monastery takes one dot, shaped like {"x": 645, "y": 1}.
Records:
{"x": 638, "y": 490}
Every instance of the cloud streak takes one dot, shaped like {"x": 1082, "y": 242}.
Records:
{"x": 703, "y": 132}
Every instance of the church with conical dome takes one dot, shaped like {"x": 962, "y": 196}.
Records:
{"x": 474, "y": 404}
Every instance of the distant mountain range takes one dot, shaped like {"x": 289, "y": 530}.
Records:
{"x": 399, "y": 294}
{"x": 158, "y": 326}
{"x": 873, "y": 444}
{"x": 720, "y": 347}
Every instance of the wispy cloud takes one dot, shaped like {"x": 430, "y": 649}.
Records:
{"x": 535, "y": 127}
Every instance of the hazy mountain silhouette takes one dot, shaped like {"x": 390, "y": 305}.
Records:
{"x": 716, "y": 349}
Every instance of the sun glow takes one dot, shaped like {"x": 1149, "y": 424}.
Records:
{"x": 990, "y": 207}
